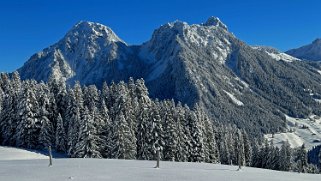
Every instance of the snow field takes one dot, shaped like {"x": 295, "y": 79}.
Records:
{"x": 121, "y": 170}
{"x": 300, "y": 131}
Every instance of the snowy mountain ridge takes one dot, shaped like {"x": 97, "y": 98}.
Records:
{"x": 276, "y": 54}
{"x": 202, "y": 64}
{"x": 308, "y": 52}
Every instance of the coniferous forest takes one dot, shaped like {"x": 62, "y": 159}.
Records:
{"x": 121, "y": 121}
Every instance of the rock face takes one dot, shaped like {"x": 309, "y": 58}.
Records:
{"x": 201, "y": 64}
{"x": 308, "y": 52}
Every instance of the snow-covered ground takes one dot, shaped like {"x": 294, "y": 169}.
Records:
{"x": 9, "y": 153}
{"x": 119, "y": 170}
{"x": 307, "y": 131}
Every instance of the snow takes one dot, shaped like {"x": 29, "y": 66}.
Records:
{"x": 234, "y": 99}
{"x": 9, "y": 153}
{"x": 276, "y": 54}
{"x": 307, "y": 131}
{"x": 124, "y": 170}
{"x": 282, "y": 56}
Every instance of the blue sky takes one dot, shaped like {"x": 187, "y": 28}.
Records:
{"x": 28, "y": 26}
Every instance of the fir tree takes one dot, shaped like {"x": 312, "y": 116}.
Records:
{"x": 28, "y": 125}
{"x": 285, "y": 156}
{"x": 88, "y": 142}
{"x": 60, "y": 137}
{"x": 123, "y": 142}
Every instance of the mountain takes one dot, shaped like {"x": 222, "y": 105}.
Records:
{"x": 308, "y": 52}
{"x": 89, "y": 52}
{"x": 202, "y": 64}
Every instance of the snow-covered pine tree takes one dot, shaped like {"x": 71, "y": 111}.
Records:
{"x": 230, "y": 143}
{"x": 256, "y": 160}
{"x": 170, "y": 132}
{"x": 197, "y": 142}
{"x": 8, "y": 120}
{"x": 156, "y": 139}
{"x": 302, "y": 159}
{"x": 91, "y": 97}
{"x": 285, "y": 156}
{"x": 143, "y": 120}
{"x": 104, "y": 93}
{"x": 44, "y": 113}
{"x": 28, "y": 125}
{"x": 183, "y": 140}
{"x": 222, "y": 144}
{"x": 239, "y": 145}
{"x": 123, "y": 145}
{"x": 265, "y": 154}
{"x": 73, "y": 117}
{"x": 46, "y": 136}
{"x": 60, "y": 136}
{"x": 212, "y": 153}
{"x": 59, "y": 90}
{"x": 88, "y": 144}
{"x": 247, "y": 148}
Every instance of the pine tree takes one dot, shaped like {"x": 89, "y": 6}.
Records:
{"x": 285, "y": 156}
{"x": 247, "y": 148}
{"x": 73, "y": 117}
{"x": 8, "y": 119}
{"x": 123, "y": 142}
{"x": 197, "y": 142}
{"x": 212, "y": 153}
{"x": 183, "y": 134}
{"x": 302, "y": 159}
{"x": 60, "y": 137}
{"x": 46, "y": 133}
{"x": 239, "y": 142}
{"x": 46, "y": 136}
{"x": 88, "y": 142}
{"x": 28, "y": 125}
{"x": 170, "y": 133}
{"x": 156, "y": 139}
{"x": 58, "y": 89}
{"x": 142, "y": 120}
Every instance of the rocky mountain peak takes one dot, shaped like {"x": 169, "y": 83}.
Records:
{"x": 317, "y": 41}
{"x": 215, "y": 21}
{"x": 91, "y": 30}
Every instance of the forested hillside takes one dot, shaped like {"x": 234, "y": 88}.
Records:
{"x": 121, "y": 121}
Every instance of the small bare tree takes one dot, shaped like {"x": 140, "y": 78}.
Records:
{"x": 50, "y": 156}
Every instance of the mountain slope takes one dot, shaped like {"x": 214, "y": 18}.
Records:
{"x": 308, "y": 52}
{"x": 201, "y": 64}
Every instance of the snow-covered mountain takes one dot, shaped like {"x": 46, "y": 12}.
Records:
{"x": 89, "y": 52}
{"x": 308, "y": 52}
{"x": 201, "y": 64}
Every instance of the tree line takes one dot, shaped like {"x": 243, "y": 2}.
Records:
{"x": 121, "y": 121}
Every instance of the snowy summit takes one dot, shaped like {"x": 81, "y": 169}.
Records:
{"x": 215, "y": 21}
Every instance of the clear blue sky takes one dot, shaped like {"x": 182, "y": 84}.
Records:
{"x": 28, "y": 26}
